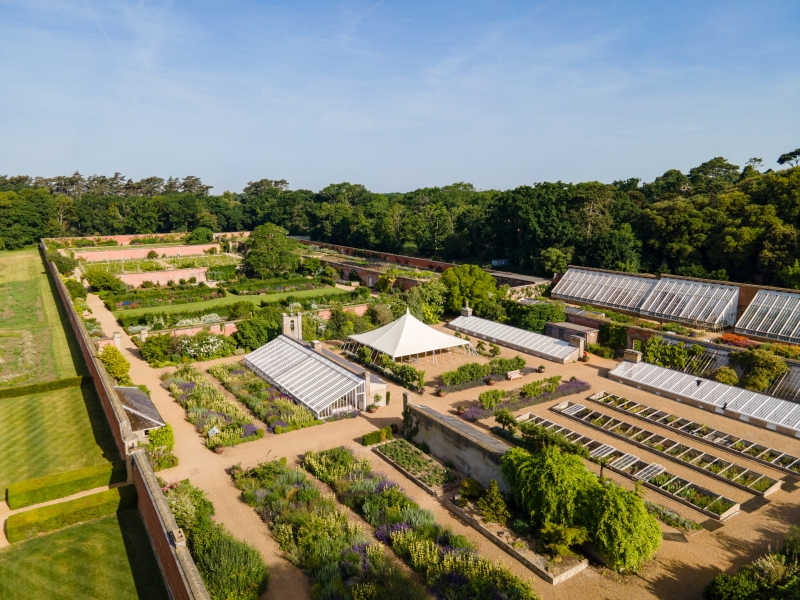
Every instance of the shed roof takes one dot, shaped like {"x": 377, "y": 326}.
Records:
{"x": 141, "y": 411}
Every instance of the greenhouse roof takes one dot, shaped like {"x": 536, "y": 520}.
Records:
{"x": 712, "y": 394}
{"x": 603, "y": 288}
{"x": 298, "y": 371}
{"x": 774, "y": 315}
{"x": 513, "y": 336}
{"x": 692, "y": 301}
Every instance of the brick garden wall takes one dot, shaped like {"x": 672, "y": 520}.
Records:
{"x": 180, "y": 574}
{"x": 141, "y": 252}
{"x": 162, "y": 277}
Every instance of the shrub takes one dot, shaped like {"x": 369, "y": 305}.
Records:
{"x": 201, "y": 235}
{"x": 726, "y": 375}
{"x": 491, "y": 398}
{"x": 75, "y": 289}
{"x": 43, "y": 489}
{"x": 104, "y": 281}
{"x": 470, "y": 489}
{"x": 65, "y": 264}
{"x": 152, "y": 255}
{"x": 601, "y": 351}
{"x": 760, "y": 368}
{"x": 492, "y": 506}
{"x": 115, "y": 363}
{"x": 614, "y": 335}
{"x": 558, "y": 540}
{"x": 28, "y": 524}
{"x": 620, "y": 526}
{"x": 464, "y": 373}
{"x": 741, "y": 586}
{"x": 376, "y": 437}
{"x": 505, "y": 418}
{"x": 537, "y": 437}
{"x": 159, "y": 448}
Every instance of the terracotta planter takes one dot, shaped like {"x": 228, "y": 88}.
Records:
{"x": 372, "y": 410}
{"x": 540, "y": 369}
{"x": 490, "y": 382}
{"x": 441, "y": 393}
{"x": 219, "y": 449}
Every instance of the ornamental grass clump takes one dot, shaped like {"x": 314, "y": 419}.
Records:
{"x": 221, "y": 421}
{"x": 446, "y": 561}
{"x": 338, "y": 557}
{"x": 230, "y": 568}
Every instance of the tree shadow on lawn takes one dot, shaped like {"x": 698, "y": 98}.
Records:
{"x": 141, "y": 557}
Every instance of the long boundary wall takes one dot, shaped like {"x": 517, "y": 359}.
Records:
{"x": 180, "y": 574}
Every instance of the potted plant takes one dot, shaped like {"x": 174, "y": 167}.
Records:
{"x": 490, "y": 381}
{"x": 541, "y": 369}
{"x": 219, "y": 449}
{"x": 372, "y": 408}
{"x": 585, "y": 357}
{"x": 460, "y": 409}
{"x": 441, "y": 393}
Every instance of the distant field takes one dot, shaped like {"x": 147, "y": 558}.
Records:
{"x": 52, "y": 432}
{"x": 108, "y": 558}
{"x": 36, "y": 341}
{"x": 230, "y": 299}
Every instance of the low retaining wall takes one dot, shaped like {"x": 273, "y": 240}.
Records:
{"x": 128, "y": 252}
{"x": 452, "y": 440}
{"x": 180, "y": 574}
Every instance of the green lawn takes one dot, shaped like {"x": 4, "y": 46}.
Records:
{"x": 230, "y": 299}
{"x": 108, "y": 558}
{"x": 36, "y": 341}
{"x": 52, "y": 432}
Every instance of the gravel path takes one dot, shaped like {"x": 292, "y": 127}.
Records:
{"x": 680, "y": 570}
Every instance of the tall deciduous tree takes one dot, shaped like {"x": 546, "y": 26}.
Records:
{"x": 270, "y": 252}
{"x": 469, "y": 283}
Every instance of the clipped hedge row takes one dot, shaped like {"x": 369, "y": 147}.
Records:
{"x": 43, "y": 489}
{"x": 46, "y": 386}
{"x": 28, "y": 524}
{"x": 376, "y": 437}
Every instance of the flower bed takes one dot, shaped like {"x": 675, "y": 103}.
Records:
{"x": 207, "y": 409}
{"x": 156, "y": 321}
{"x": 470, "y": 373}
{"x": 317, "y": 536}
{"x": 256, "y": 287}
{"x": 277, "y": 410}
{"x": 516, "y": 401}
{"x": 416, "y": 462}
{"x": 166, "y": 350}
{"x": 183, "y": 294}
{"x": 450, "y": 566}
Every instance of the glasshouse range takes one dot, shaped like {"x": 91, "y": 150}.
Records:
{"x": 519, "y": 339}
{"x": 703, "y": 304}
{"x": 314, "y": 381}
{"x": 752, "y": 407}
{"x": 773, "y": 315}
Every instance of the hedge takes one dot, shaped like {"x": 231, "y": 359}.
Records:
{"x": 46, "y": 386}
{"x": 43, "y": 489}
{"x": 475, "y": 371}
{"x": 376, "y": 437}
{"x": 28, "y": 524}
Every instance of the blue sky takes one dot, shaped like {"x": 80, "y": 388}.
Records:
{"x": 395, "y": 95}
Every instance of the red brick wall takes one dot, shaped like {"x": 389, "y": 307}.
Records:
{"x": 141, "y": 252}
{"x": 358, "y": 309}
{"x": 163, "y": 277}
{"x": 411, "y": 261}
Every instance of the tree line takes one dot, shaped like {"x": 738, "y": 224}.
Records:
{"x": 718, "y": 220}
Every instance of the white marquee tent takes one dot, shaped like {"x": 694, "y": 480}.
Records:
{"x": 405, "y": 338}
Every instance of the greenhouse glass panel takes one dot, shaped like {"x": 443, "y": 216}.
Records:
{"x": 698, "y": 303}
{"x": 604, "y": 289}
{"x": 774, "y": 315}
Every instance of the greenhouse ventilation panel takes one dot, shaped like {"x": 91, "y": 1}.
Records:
{"x": 773, "y": 315}
{"x": 708, "y": 305}
{"x": 602, "y": 288}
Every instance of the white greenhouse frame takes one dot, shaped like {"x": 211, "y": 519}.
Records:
{"x": 773, "y": 315}
{"x": 710, "y": 306}
{"x": 626, "y": 292}
{"x": 314, "y": 381}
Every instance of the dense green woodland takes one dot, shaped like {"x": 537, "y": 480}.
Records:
{"x": 719, "y": 220}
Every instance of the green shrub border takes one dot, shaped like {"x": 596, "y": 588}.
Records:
{"x": 43, "y": 489}
{"x": 46, "y": 386}
{"x": 28, "y": 524}
{"x": 376, "y": 437}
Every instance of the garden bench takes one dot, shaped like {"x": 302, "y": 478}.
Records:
{"x": 512, "y": 375}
